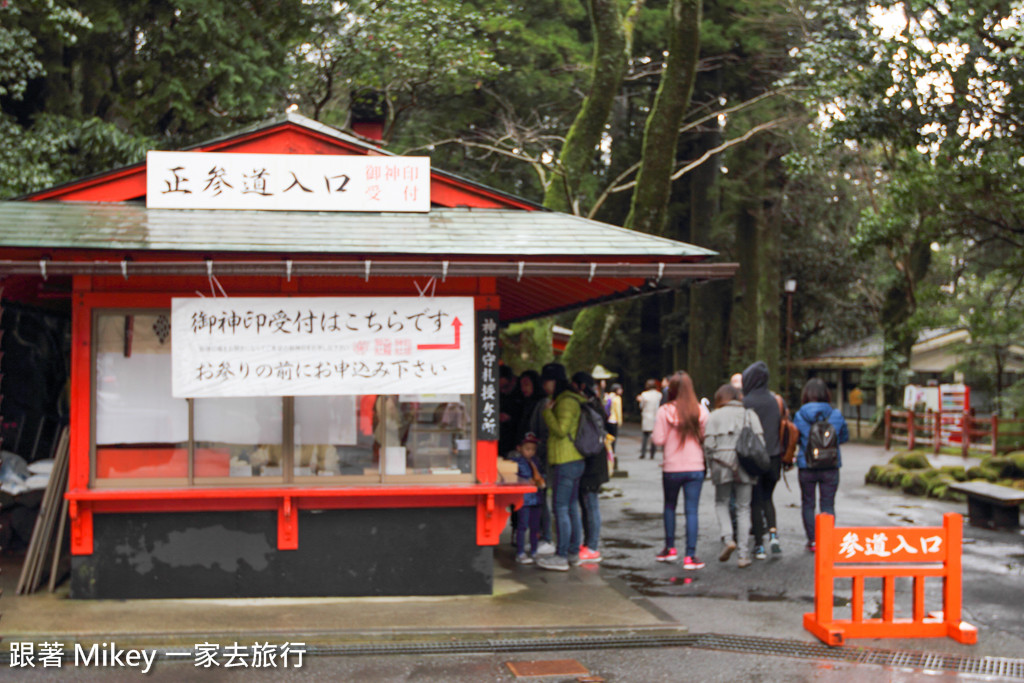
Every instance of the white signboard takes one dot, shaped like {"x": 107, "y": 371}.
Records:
{"x": 322, "y": 346}
{"x": 287, "y": 182}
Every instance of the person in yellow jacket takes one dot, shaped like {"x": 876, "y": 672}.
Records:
{"x": 565, "y": 468}
{"x": 613, "y": 409}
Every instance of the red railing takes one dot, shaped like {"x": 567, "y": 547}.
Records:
{"x": 960, "y": 429}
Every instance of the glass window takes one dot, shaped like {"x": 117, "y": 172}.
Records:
{"x": 238, "y": 437}
{"x": 435, "y": 433}
{"x": 373, "y": 435}
{"x": 334, "y": 436}
{"x": 141, "y": 430}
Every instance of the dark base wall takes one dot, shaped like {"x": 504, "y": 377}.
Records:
{"x": 426, "y": 551}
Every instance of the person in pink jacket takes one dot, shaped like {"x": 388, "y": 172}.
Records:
{"x": 679, "y": 430}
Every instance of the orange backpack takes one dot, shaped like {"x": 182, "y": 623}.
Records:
{"x": 789, "y": 435}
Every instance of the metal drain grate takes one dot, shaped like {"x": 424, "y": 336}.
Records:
{"x": 987, "y": 666}
{"x": 1003, "y": 667}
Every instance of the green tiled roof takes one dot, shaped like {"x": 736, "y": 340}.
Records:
{"x": 493, "y": 232}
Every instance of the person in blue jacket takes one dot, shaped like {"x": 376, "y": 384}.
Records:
{"x": 817, "y": 405}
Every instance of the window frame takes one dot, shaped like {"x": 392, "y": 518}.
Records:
{"x": 287, "y": 476}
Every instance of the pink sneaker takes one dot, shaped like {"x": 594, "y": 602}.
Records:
{"x": 692, "y": 563}
{"x": 588, "y": 556}
{"x": 668, "y": 555}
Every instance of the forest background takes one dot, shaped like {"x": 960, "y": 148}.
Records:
{"x": 870, "y": 151}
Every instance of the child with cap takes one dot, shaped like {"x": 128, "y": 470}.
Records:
{"x": 530, "y": 514}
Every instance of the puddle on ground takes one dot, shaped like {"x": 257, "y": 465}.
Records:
{"x": 660, "y": 586}
{"x": 644, "y": 515}
{"x": 837, "y": 601}
{"x": 754, "y": 596}
{"x": 619, "y": 543}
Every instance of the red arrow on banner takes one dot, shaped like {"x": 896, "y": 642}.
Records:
{"x": 457, "y": 324}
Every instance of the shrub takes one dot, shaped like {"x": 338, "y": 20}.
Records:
{"x": 891, "y": 475}
{"x": 911, "y": 460}
{"x": 981, "y": 472}
{"x": 914, "y": 483}
{"x": 955, "y": 472}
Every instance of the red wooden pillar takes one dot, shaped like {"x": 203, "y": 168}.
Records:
{"x": 910, "y": 429}
{"x": 995, "y": 434}
{"x": 965, "y": 434}
{"x": 487, "y": 451}
{"x": 888, "y": 427}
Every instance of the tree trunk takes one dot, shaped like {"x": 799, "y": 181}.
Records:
{"x": 654, "y": 179}
{"x": 611, "y": 55}
{"x": 769, "y": 294}
{"x": 710, "y": 302}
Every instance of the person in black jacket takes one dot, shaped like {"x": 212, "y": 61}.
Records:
{"x": 594, "y": 474}
{"x": 758, "y": 398}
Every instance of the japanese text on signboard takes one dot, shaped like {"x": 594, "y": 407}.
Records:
{"x": 487, "y": 369}
{"x": 287, "y": 182}
{"x": 891, "y": 544}
{"x": 321, "y": 346}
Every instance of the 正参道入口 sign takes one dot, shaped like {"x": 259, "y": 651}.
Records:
{"x": 322, "y": 346}
{"x": 287, "y": 182}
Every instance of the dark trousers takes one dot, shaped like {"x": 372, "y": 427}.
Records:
{"x": 529, "y": 523}
{"x": 762, "y": 507}
{"x": 823, "y": 482}
{"x": 643, "y": 445}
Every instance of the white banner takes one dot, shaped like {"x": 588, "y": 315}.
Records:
{"x": 287, "y": 182}
{"x": 327, "y": 346}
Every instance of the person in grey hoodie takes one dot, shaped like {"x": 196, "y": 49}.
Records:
{"x": 758, "y": 398}
{"x": 720, "y": 436}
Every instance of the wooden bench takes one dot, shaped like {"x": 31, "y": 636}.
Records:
{"x": 990, "y": 505}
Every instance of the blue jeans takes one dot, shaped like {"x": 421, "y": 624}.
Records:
{"x": 567, "y": 510}
{"x": 690, "y": 483}
{"x": 591, "y": 519}
{"x": 826, "y": 483}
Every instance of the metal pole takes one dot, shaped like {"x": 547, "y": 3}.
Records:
{"x": 789, "y": 340}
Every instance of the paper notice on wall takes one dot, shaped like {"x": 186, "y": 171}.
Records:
{"x": 322, "y": 346}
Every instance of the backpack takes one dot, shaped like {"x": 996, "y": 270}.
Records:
{"x": 590, "y": 431}
{"x": 822, "y": 450}
{"x": 750, "y": 450}
{"x": 789, "y": 435}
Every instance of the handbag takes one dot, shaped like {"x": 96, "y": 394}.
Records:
{"x": 751, "y": 451}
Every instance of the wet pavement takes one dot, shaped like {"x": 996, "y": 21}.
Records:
{"x": 770, "y": 597}
{"x": 742, "y": 623}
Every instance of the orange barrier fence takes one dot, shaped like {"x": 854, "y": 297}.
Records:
{"x": 938, "y": 428}
{"x": 888, "y": 553}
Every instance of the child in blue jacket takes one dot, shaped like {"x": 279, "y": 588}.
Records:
{"x": 528, "y": 472}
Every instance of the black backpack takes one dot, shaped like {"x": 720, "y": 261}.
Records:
{"x": 590, "y": 431}
{"x": 822, "y": 450}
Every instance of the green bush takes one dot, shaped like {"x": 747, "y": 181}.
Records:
{"x": 955, "y": 472}
{"x": 1002, "y": 466}
{"x": 874, "y": 472}
{"x": 1018, "y": 463}
{"x": 914, "y": 483}
{"x": 891, "y": 475}
{"x": 911, "y": 460}
{"x": 981, "y": 472}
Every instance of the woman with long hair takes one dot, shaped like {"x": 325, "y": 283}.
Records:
{"x": 679, "y": 430}
{"x": 818, "y": 476}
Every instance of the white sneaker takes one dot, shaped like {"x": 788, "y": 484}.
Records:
{"x": 545, "y": 548}
{"x": 523, "y": 558}
{"x": 555, "y": 563}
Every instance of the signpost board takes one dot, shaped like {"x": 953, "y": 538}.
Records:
{"x": 287, "y": 182}
{"x": 322, "y": 346}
